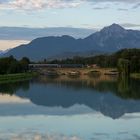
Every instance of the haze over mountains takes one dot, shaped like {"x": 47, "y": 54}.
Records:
{"x": 107, "y": 40}
{"x": 27, "y": 33}
{"x": 3, "y": 52}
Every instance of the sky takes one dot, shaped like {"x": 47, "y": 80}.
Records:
{"x": 69, "y": 13}
{"x": 7, "y": 44}
{"x": 91, "y": 14}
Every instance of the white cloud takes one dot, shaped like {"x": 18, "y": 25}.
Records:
{"x": 36, "y": 136}
{"x": 38, "y": 4}
{"x": 124, "y": 1}
{"x": 42, "y": 4}
{"x": 28, "y": 4}
{"x": 130, "y": 25}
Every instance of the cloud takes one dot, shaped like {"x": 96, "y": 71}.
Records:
{"x": 28, "y": 33}
{"x": 39, "y": 4}
{"x": 42, "y": 4}
{"x": 136, "y": 6}
{"x": 100, "y": 8}
{"x": 122, "y": 9}
{"x": 130, "y": 25}
{"x": 3, "y": 1}
{"x": 36, "y": 136}
{"x": 124, "y": 1}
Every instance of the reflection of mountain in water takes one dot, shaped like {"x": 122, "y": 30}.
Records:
{"x": 98, "y": 96}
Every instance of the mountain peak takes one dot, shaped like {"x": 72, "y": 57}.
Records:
{"x": 114, "y": 28}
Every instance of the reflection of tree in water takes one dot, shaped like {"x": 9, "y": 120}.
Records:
{"x": 68, "y": 92}
{"x": 128, "y": 88}
{"x": 124, "y": 87}
{"x": 96, "y": 95}
{"x": 12, "y": 88}
{"x": 100, "y": 83}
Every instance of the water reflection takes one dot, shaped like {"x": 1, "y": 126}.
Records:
{"x": 111, "y": 96}
{"x": 12, "y": 88}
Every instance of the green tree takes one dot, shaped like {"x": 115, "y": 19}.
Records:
{"x": 135, "y": 64}
{"x": 124, "y": 67}
{"x": 14, "y": 67}
{"x": 24, "y": 62}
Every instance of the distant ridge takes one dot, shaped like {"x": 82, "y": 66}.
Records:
{"x": 109, "y": 39}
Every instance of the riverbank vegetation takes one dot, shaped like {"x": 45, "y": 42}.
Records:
{"x": 9, "y": 65}
{"x": 127, "y": 61}
{"x": 12, "y": 70}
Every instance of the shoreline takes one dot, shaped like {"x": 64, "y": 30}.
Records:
{"x": 86, "y": 71}
{"x": 82, "y": 71}
{"x": 11, "y": 78}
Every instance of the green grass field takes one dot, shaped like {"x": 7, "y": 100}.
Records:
{"x": 11, "y": 78}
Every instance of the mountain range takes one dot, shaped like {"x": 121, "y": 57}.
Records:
{"x": 107, "y": 40}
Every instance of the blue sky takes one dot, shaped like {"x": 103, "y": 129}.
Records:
{"x": 70, "y": 13}
{"x": 91, "y": 14}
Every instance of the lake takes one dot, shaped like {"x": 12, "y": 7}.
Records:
{"x": 65, "y": 108}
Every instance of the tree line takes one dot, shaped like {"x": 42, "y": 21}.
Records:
{"x": 126, "y": 60}
{"x": 9, "y": 65}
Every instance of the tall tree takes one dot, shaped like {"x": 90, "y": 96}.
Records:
{"x": 124, "y": 67}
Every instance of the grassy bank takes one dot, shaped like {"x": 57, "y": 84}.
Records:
{"x": 11, "y": 78}
{"x": 135, "y": 75}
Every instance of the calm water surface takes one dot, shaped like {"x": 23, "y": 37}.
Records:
{"x": 96, "y": 108}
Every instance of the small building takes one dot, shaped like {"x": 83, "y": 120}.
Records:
{"x": 95, "y": 66}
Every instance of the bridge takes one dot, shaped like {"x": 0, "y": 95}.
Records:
{"x": 40, "y": 66}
